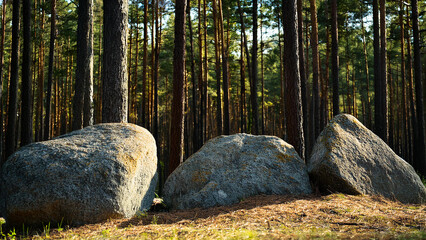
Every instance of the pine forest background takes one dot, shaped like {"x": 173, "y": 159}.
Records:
{"x": 222, "y": 96}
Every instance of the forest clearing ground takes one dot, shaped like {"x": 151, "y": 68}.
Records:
{"x": 268, "y": 217}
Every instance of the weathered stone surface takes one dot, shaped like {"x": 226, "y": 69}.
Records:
{"x": 86, "y": 176}
{"x": 230, "y": 168}
{"x": 349, "y": 158}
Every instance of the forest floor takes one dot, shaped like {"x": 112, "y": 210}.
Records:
{"x": 265, "y": 217}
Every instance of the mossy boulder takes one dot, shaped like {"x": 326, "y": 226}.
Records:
{"x": 349, "y": 158}
{"x": 87, "y": 176}
{"x": 228, "y": 169}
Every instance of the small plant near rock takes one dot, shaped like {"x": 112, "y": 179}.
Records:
{"x": 46, "y": 230}
{"x": 60, "y": 229}
{"x": 105, "y": 233}
{"x": 154, "y": 220}
{"x": 141, "y": 214}
{"x": 2, "y": 221}
{"x": 11, "y": 234}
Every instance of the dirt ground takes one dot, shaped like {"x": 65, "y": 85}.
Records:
{"x": 266, "y": 217}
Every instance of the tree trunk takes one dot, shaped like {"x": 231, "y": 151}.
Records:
{"x": 292, "y": 76}
{"x": 282, "y": 89}
{"x": 203, "y": 97}
{"x": 144, "y": 64}
{"x": 335, "y": 57}
{"x": 156, "y": 67}
{"x": 10, "y": 142}
{"x": 303, "y": 80}
{"x": 377, "y": 84}
{"x": 315, "y": 71}
{"x": 262, "y": 76}
{"x": 3, "y": 24}
{"x": 40, "y": 81}
{"x": 82, "y": 104}
{"x": 47, "y": 118}
{"x": 254, "y": 78}
{"x": 243, "y": 127}
{"x": 384, "y": 124}
{"x": 178, "y": 102}
{"x": 411, "y": 95}
{"x": 114, "y": 91}
{"x": 419, "y": 143}
{"x": 205, "y": 75}
{"x": 367, "y": 76}
{"x": 217, "y": 38}
{"x": 225, "y": 70}
{"x": 193, "y": 77}
{"x": 26, "y": 92}
{"x": 404, "y": 132}
{"x": 135, "y": 74}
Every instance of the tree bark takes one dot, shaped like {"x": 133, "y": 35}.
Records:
{"x": 225, "y": 70}
{"x": 367, "y": 76}
{"x": 335, "y": 57}
{"x": 384, "y": 123}
{"x": 404, "y": 132}
{"x": 292, "y": 77}
{"x": 47, "y": 118}
{"x": 26, "y": 92}
{"x": 254, "y": 78}
{"x": 419, "y": 143}
{"x": 315, "y": 71}
{"x": 178, "y": 102}
{"x": 10, "y": 142}
{"x": 377, "y": 85}
{"x": 82, "y": 109}
{"x": 114, "y": 85}
{"x": 193, "y": 77}
{"x": 217, "y": 28}
{"x": 145, "y": 64}
{"x": 3, "y": 24}
{"x": 303, "y": 81}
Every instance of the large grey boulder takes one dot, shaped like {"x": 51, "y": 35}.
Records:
{"x": 349, "y": 158}
{"x": 228, "y": 169}
{"x": 87, "y": 176}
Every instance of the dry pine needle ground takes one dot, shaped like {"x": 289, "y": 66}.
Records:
{"x": 268, "y": 217}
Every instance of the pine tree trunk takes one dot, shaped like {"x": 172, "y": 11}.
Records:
{"x": 3, "y": 24}
{"x": 193, "y": 77}
{"x": 377, "y": 85}
{"x": 26, "y": 92}
{"x": 262, "y": 77}
{"x": 367, "y": 76}
{"x": 282, "y": 89}
{"x": 135, "y": 73}
{"x": 335, "y": 57}
{"x": 404, "y": 132}
{"x": 201, "y": 116}
{"x": 47, "y": 118}
{"x": 217, "y": 29}
{"x": 384, "y": 124}
{"x": 11, "y": 137}
{"x": 114, "y": 91}
{"x": 225, "y": 76}
{"x": 292, "y": 77}
{"x": 82, "y": 104}
{"x": 303, "y": 80}
{"x": 315, "y": 71}
{"x": 144, "y": 65}
{"x": 178, "y": 102}
{"x": 254, "y": 80}
{"x": 411, "y": 96}
{"x": 419, "y": 147}
{"x": 205, "y": 75}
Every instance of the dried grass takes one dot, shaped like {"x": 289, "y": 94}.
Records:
{"x": 270, "y": 217}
